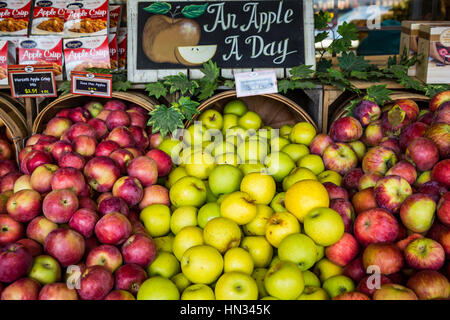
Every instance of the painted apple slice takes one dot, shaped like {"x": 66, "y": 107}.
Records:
{"x": 195, "y": 55}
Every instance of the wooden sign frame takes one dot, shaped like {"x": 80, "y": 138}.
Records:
{"x": 95, "y": 78}
{"x": 145, "y": 76}
{"x": 33, "y": 70}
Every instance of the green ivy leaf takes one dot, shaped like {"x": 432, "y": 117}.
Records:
{"x": 206, "y": 89}
{"x": 181, "y": 83}
{"x": 188, "y": 107}
{"x": 321, "y": 36}
{"x": 194, "y": 10}
{"x": 301, "y": 72}
{"x": 211, "y": 71}
{"x": 165, "y": 120}
{"x": 350, "y": 62}
{"x": 156, "y": 89}
{"x": 121, "y": 85}
{"x": 158, "y": 8}
{"x": 378, "y": 94}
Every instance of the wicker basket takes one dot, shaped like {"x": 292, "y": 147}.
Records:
{"x": 274, "y": 109}
{"x": 71, "y": 100}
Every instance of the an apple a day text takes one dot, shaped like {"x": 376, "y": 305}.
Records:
{"x": 259, "y": 21}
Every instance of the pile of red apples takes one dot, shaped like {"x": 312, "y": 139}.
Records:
{"x": 76, "y": 199}
{"x": 394, "y": 196}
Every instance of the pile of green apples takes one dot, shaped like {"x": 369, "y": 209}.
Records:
{"x": 248, "y": 216}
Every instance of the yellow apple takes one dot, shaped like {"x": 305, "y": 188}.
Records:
{"x": 260, "y": 250}
{"x": 222, "y": 234}
{"x": 325, "y": 269}
{"x": 330, "y": 176}
{"x": 260, "y": 187}
{"x": 239, "y": 207}
{"x": 198, "y": 292}
{"x": 222, "y": 148}
{"x": 194, "y": 134}
{"x": 296, "y": 151}
{"x": 158, "y": 288}
{"x": 314, "y": 293}
{"x": 156, "y": 219}
{"x": 202, "y": 264}
{"x": 248, "y": 168}
{"x": 175, "y": 175}
{"x": 312, "y": 162}
{"x": 259, "y": 274}
{"x": 304, "y": 196}
{"x": 211, "y": 119}
{"x": 257, "y": 227}
{"x": 183, "y": 217}
{"x": 188, "y": 237}
{"x": 164, "y": 243}
{"x": 180, "y": 281}
{"x": 252, "y": 151}
{"x": 229, "y": 121}
{"x": 278, "y": 143}
{"x": 296, "y": 175}
{"x": 279, "y": 226}
{"x": 228, "y": 158}
{"x": 250, "y": 120}
{"x": 284, "y": 281}
{"x": 165, "y": 265}
{"x": 325, "y": 226}
{"x": 303, "y": 133}
{"x": 311, "y": 280}
{"x": 200, "y": 165}
{"x": 238, "y": 260}
{"x": 207, "y": 212}
{"x": 299, "y": 249}
{"x": 236, "y": 286}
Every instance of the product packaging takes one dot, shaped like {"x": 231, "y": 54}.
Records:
{"x": 48, "y": 17}
{"x": 86, "y": 18}
{"x": 15, "y": 17}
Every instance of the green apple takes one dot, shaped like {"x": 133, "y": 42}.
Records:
{"x": 236, "y": 107}
{"x": 284, "y": 281}
{"x": 194, "y": 134}
{"x": 236, "y": 286}
{"x": 259, "y": 274}
{"x": 296, "y": 175}
{"x": 248, "y": 168}
{"x": 260, "y": 250}
{"x": 222, "y": 234}
{"x": 188, "y": 191}
{"x": 164, "y": 243}
{"x": 337, "y": 285}
{"x": 225, "y": 179}
{"x": 236, "y": 135}
{"x": 250, "y": 120}
{"x": 312, "y": 162}
{"x": 187, "y": 238}
{"x": 285, "y": 130}
{"x": 207, "y": 212}
{"x": 311, "y": 280}
{"x": 229, "y": 121}
{"x": 202, "y": 264}
{"x": 295, "y": 151}
{"x": 424, "y": 177}
{"x": 325, "y": 269}
{"x": 359, "y": 148}
{"x": 257, "y": 227}
{"x": 314, "y": 293}
{"x": 172, "y": 147}
{"x": 200, "y": 165}
{"x": 239, "y": 207}
{"x": 274, "y": 261}
{"x": 165, "y": 265}
{"x": 184, "y": 156}
{"x": 228, "y": 158}
{"x": 45, "y": 270}
{"x": 252, "y": 151}
{"x": 278, "y": 143}
{"x": 156, "y": 219}
{"x": 330, "y": 176}
{"x": 158, "y": 288}
{"x": 183, "y": 217}
{"x": 259, "y": 186}
{"x": 299, "y": 249}
{"x": 175, "y": 175}
{"x": 277, "y": 203}
{"x": 266, "y": 133}
{"x": 198, "y": 292}
{"x": 212, "y": 119}
{"x": 303, "y": 133}
{"x": 223, "y": 147}
{"x": 238, "y": 260}
{"x": 210, "y": 196}
{"x": 325, "y": 226}
{"x": 320, "y": 252}
{"x": 279, "y": 165}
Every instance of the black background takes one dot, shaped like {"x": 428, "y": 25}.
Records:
{"x": 101, "y": 86}
{"x": 293, "y": 31}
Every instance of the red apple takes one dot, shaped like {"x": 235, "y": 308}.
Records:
{"x": 68, "y": 178}
{"x": 15, "y": 262}
{"x": 7, "y": 166}
{"x": 105, "y": 148}
{"x": 113, "y": 204}
{"x": 340, "y": 157}
{"x": 10, "y": 230}
{"x": 39, "y": 228}
{"x": 44, "y": 143}
{"x": 350, "y": 181}
{"x": 129, "y": 189}
{"x": 34, "y": 159}
{"x": 40, "y": 179}
{"x": 136, "y": 107}
{"x": 434, "y": 189}
{"x": 79, "y": 114}
{"x": 354, "y": 270}
{"x": 119, "y": 295}
{"x": 343, "y": 251}
{"x": 367, "y": 112}
{"x": 129, "y": 277}
{"x": 140, "y": 137}
{"x": 439, "y": 133}
{"x": 85, "y": 145}
{"x": 80, "y": 129}
{"x": 438, "y": 100}
{"x": 138, "y": 118}
{"x": 429, "y": 285}
{"x": 65, "y": 245}
{"x": 441, "y": 172}
{"x": 345, "y": 210}
{"x": 71, "y": 160}
{"x": 423, "y": 153}
{"x": 364, "y": 200}
{"x": 113, "y": 228}
{"x": 122, "y": 136}
{"x": 388, "y": 257}
{"x": 390, "y": 291}
{"x": 368, "y": 284}
{"x": 426, "y": 116}
{"x": 335, "y": 192}
{"x": 144, "y": 169}
{"x": 402, "y": 244}
{"x": 56, "y": 126}
{"x": 135, "y": 152}
{"x": 425, "y": 253}
{"x": 23, "y": 289}
{"x": 351, "y": 296}
{"x": 444, "y": 240}
{"x": 24, "y": 205}
{"x": 410, "y": 107}
{"x": 375, "y": 226}
{"x": 101, "y": 173}
{"x": 103, "y": 196}
{"x": 411, "y": 132}
{"x": 101, "y": 130}
{"x": 442, "y": 114}
{"x": 373, "y": 134}
{"x": 32, "y": 246}
{"x": 105, "y": 255}
{"x": 83, "y": 221}
{"x": 405, "y": 170}
{"x": 139, "y": 249}
{"x": 443, "y": 209}
{"x": 60, "y": 205}
{"x": 320, "y": 143}
{"x": 118, "y": 118}
{"x": 368, "y": 180}
{"x": 346, "y": 129}
{"x": 155, "y": 140}
{"x": 417, "y": 212}
{"x": 5, "y": 150}
{"x": 391, "y": 143}
{"x": 7, "y": 181}
{"x": 391, "y": 191}
{"x": 122, "y": 157}
{"x": 115, "y": 105}
{"x": 87, "y": 203}
{"x": 103, "y": 115}
{"x": 95, "y": 283}
{"x": 379, "y": 159}
{"x": 59, "y": 148}
{"x": 57, "y": 291}
{"x": 63, "y": 113}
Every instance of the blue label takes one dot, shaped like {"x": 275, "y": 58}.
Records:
{"x": 28, "y": 44}
{"x": 74, "y": 44}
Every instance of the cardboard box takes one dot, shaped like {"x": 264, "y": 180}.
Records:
{"x": 86, "y": 18}
{"x": 48, "y": 17}
{"x": 7, "y": 57}
{"x": 409, "y": 39}
{"x": 15, "y": 17}
{"x": 434, "y": 48}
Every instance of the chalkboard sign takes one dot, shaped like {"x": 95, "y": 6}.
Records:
{"x": 91, "y": 84}
{"x": 234, "y": 34}
{"x": 32, "y": 81}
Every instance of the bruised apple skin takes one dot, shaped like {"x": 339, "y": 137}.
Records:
{"x": 162, "y": 35}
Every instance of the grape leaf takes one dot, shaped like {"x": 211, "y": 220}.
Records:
{"x": 348, "y": 31}
{"x": 180, "y": 83}
{"x": 323, "y": 65}
{"x": 321, "y": 36}
{"x": 121, "y": 85}
{"x": 158, "y": 8}
{"x": 229, "y": 84}
{"x": 165, "y": 120}
{"x": 194, "y": 11}
{"x": 359, "y": 75}
{"x": 187, "y": 107}
{"x": 351, "y": 107}
{"x": 211, "y": 71}
{"x": 156, "y": 89}
{"x": 304, "y": 85}
{"x": 378, "y": 94}
{"x": 350, "y": 62}
{"x": 301, "y": 72}
{"x": 206, "y": 90}
{"x": 284, "y": 85}
{"x": 321, "y": 20}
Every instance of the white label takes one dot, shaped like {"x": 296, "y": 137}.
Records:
{"x": 255, "y": 83}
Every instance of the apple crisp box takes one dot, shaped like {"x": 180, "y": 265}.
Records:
{"x": 434, "y": 49}
{"x": 48, "y": 17}
{"x": 42, "y": 50}
{"x": 7, "y": 56}
{"x": 409, "y": 40}
{"x": 14, "y": 17}
{"x": 122, "y": 48}
{"x": 113, "y": 53}
{"x": 86, "y": 52}
{"x": 86, "y": 18}
{"x": 115, "y": 15}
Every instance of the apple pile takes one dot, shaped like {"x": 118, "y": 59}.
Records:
{"x": 71, "y": 215}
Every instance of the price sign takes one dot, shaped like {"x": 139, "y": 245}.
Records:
{"x": 255, "y": 83}
{"x": 32, "y": 81}
{"x": 92, "y": 84}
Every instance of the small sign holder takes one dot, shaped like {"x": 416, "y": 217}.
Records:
{"x": 91, "y": 84}
{"x": 256, "y": 83}
{"x": 32, "y": 81}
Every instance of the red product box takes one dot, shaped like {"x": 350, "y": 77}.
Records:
{"x": 7, "y": 57}
{"x": 42, "y": 50}
{"x": 87, "y": 52}
{"x": 86, "y": 18}
{"x": 115, "y": 15}
{"x": 113, "y": 52}
{"x": 122, "y": 48}
{"x": 48, "y": 17}
{"x": 14, "y": 17}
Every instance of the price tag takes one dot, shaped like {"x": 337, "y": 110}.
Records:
{"x": 256, "y": 83}
{"x": 91, "y": 84}
{"x": 32, "y": 81}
